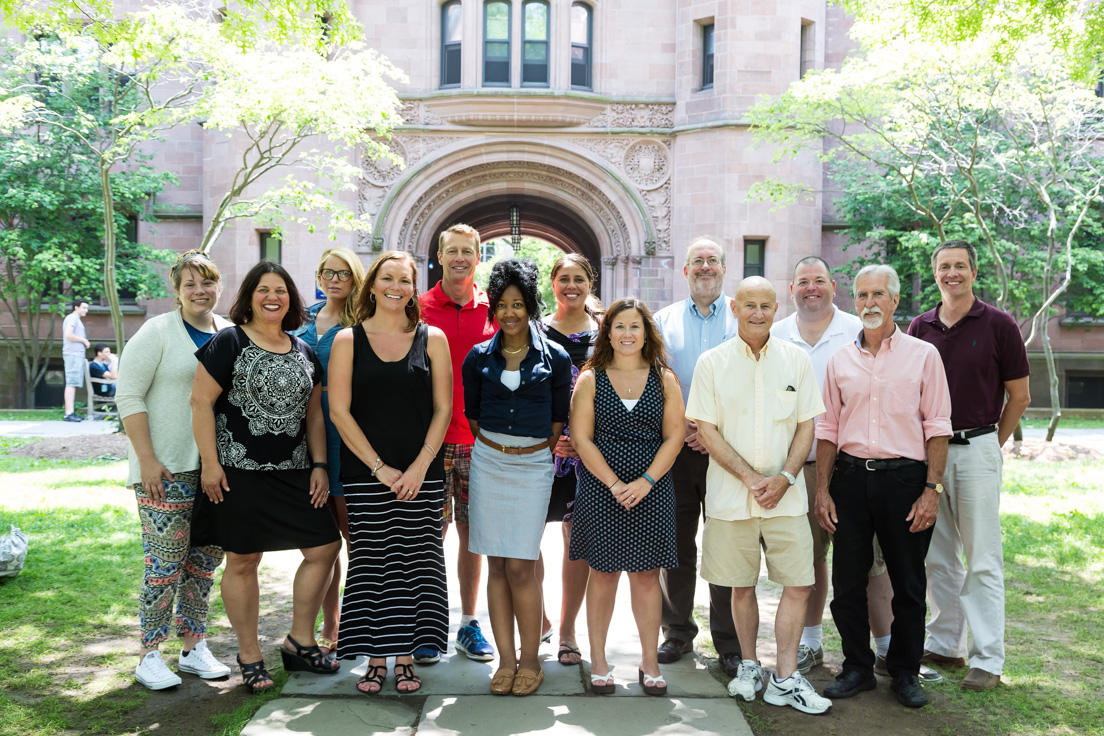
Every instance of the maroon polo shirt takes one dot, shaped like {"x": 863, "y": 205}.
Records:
{"x": 980, "y": 353}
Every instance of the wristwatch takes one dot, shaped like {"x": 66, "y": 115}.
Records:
{"x": 790, "y": 478}
{"x": 937, "y": 487}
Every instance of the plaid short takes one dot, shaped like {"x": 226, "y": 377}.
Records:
{"x": 457, "y": 472}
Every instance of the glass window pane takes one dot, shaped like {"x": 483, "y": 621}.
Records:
{"x": 536, "y": 22}
{"x": 580, "y": 24}
{"x": 452, "y": 23}
{"x": 498, "y": 21}
{"x": 536, "y": 52}
{"x": 708, "y": 39}
{"x": 497, "y": 51}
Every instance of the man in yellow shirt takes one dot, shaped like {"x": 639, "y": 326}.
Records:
{"x": 754, "y": 400}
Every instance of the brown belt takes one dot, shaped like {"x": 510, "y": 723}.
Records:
{"x": 512, "y": 450}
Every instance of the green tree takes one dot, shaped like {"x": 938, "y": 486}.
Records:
{"x": 543, "y": 254}
{"x": 290, "y": 76}
{"x": 51, "y": 227}
{"x": 1002, "y": 152}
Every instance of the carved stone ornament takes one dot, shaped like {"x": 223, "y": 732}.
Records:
{"x": 383, "y": 171}
{"x": 518, "y": 172}
{"x": 647, "y": 164}
{"x": 414, "y": 112}
{"x": 636, "y": 115}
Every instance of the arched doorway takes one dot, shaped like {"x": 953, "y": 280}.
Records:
{"x": 538, "y": 218}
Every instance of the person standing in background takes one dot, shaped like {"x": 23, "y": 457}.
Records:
{"x": 74, "y": 343}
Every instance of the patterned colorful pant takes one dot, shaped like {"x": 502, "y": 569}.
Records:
{"x": 175, "y": 570}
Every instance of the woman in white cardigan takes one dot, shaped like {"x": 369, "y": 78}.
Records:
{"x": 154, "y": 388}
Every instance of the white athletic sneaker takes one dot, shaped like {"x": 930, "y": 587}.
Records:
{"x": 748, "y": 681}
{"x": 154, "y": 673}
{"x": 201, "y": 662}
{"x": 796, "y": 691}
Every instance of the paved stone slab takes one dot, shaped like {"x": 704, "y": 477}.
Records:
{"x": 453, "y": 675}
{"x": 334, "y": 717}
{"x": 686, "y": 678}
{"x": 581, "y": 716}
{"x": 56, "y": 428}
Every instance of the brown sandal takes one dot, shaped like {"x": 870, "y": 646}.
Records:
{"x": 503, "y": 682}
{"x": 526, "y": 682}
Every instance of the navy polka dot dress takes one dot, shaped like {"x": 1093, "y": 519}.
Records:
{"x": 605, "y": 534}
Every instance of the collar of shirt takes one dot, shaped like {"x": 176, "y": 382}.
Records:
{"x": 748, "y": 352}
{"x": 792, "y": 332}
{"x": 718, "y": 304}
{"x": 976, "y": 310}
{"x": 438, "y": 296}
{"x": 888, "y": 342}
{"x": 536, "y": 355}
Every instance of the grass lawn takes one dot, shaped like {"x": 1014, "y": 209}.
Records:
{"x": 68, "y": 622}
{"x": 30, "y": 415}
{"x": 1066, "y": 423}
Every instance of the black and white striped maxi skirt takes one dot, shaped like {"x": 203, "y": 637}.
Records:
{"x": 396, "y": 595}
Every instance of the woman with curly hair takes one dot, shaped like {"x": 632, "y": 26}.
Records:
{"x": 340, "y": 276}
{"x": 627, "y": 426}
{"x": 391, "y": 400}
{"x": 517, "y": 392}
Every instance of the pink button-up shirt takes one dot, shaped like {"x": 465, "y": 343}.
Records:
{"x": 887, "y": 405}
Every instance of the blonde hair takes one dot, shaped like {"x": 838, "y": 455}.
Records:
{"x": 347, "y": 318}
{"x": 196, "y": 260}
{"x": 459, "y": 229}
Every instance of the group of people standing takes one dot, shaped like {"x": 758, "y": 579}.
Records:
{"x": 382, "y": 416}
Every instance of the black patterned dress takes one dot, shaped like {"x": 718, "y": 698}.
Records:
{"x": 261, "y": 433}
{"x": 608, "y": 536}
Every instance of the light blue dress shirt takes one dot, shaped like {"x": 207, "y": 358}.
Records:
{"x": 688, "y": 333}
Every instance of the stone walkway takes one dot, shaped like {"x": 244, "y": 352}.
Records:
{"x": 454, "y": 697}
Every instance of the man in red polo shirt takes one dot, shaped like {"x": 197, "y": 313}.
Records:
{"x": 459, "y": 308}
{"x": 984, "y": 355}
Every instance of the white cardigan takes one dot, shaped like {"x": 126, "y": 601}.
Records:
{"x": 156, "y": 371}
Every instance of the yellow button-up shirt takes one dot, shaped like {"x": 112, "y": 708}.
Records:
{"x": 756, "y": 406}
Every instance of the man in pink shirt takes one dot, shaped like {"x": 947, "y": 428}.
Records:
{"x": 458, "y": 307}
{"x": 881, "y": 450}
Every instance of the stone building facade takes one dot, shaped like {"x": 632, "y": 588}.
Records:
{"x": 615, "y": 128}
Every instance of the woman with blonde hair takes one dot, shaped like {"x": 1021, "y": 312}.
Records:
{"x": 155, "y": 372}
{"x": 391, "y": 400}
{"x": 340, "y": 276}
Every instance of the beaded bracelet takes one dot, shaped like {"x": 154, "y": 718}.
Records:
{"x": 379, "y": 462}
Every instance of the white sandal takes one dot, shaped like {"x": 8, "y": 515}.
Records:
{"x": 602, "y": 684}
{"x": 653, "y": 685}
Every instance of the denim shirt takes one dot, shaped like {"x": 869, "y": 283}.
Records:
{"x": 321, "y": 343}
{"x": 544, "y": 396}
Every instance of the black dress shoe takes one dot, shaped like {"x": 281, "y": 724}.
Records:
{"x": 909, "y": 691}
{"x": 850, "y": 683}
{"x": 731, "y": 663}
{"x": 671, "y": 650}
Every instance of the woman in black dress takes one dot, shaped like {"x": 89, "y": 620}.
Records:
{"x": 572, "y": 326}
{"x": 627, "y": 426}
{"x": 257, "y": 420}
{"x": 390, "y": 380}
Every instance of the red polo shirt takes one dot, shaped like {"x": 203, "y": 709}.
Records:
{"x": 980, "y": 353}
{"x": 464, "y": 326}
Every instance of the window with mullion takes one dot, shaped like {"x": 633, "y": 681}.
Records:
{"x": 581, "y": 41}
{"x": 496, "y": 44}
{"x": 451, "y": 16}
{"x": 754, "y": 257}
{"x": 534, "y": 48}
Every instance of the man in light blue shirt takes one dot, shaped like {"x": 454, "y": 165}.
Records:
{"x": 690, "y": 327}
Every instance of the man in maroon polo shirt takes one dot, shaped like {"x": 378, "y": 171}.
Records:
{"x": 459, "y": 308}
{"x": 984, "y": 356}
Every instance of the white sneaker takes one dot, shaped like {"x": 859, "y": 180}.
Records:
{"x": 796, "y": 692}
{"x": 748, "y": 681}
{"x": 201, "y": 662}
{"x": 154, "y": 673}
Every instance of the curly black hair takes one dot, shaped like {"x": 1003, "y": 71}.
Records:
{"x": 519, "y": 272}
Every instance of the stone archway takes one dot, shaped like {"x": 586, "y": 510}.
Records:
{"x": 539, "y": 219}
{"x": 574, "y": 195}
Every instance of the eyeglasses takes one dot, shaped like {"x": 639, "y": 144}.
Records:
{"x": 712, "y": 261}
{"x": 329, "y": 273}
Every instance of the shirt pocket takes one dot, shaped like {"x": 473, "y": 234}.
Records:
{"x": 785, "y": 405}
{"x": 902, "y": 398}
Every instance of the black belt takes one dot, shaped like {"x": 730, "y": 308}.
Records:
{"x": 964, "y": 437}
{"x": 893, "y": 463}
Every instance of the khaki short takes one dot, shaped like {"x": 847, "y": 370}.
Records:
{"x": 821, "y": 538}
{"x": 730, "y": 551}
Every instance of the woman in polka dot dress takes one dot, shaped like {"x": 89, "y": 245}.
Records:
{"x": 627, "y": 425}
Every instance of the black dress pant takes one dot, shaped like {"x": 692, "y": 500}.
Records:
{"x": 678, "y": 584}
{"x": 872, "y": 503}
